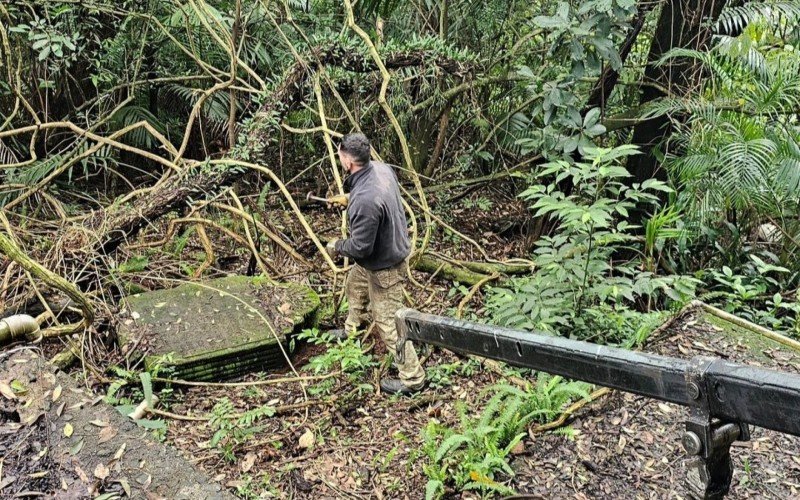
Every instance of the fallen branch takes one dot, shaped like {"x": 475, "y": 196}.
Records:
{"x": 104, "y": 230}
{"x": 278, "y": 410}
{"x": 429, "y": 264}
{"x": 472, "y": 292}
{"x": 273, "y": 381}
{"x": 555, "y": 424}
{"x": 747, "y": 325}
{"x": 508, "y": 267}
{"x": 466, "y": 272}
{"x": 10, "y": 249}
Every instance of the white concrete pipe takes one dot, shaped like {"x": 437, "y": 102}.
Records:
{"x": 16, "y": 327}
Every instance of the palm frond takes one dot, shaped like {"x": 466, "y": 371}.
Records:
{"x": 7, "y": 155}
{"x": 139, "y": 137}
{"x": 736, "y": 19}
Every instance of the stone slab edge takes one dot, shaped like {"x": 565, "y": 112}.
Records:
{"x": 149, "y": 468}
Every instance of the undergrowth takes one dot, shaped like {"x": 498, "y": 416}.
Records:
{"x": 581, "y": 287}
{"x": 346, "y": 355}
{"x": 474, "y": 456}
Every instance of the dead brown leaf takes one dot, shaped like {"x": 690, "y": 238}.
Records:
{"x": 101, "y": 471}
{"x": 6, "y": 390}
{"x": 306, "y": 440}
{"x": 81, "y": 474}
{"x": 248, "y": 461}
{"x": 518, "y": 449}
{"x": 125, "y": 486}
{"x": 107, "y": 433}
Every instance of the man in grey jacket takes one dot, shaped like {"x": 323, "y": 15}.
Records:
{"x": 380, "y": 246}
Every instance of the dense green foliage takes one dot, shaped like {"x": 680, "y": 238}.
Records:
{"x": 654, "y": 167}
{"x": 578, "y": 286}
{"x": 476, "y": 455}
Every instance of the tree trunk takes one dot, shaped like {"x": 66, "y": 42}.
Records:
{"x": 682, "y": 24}
{"x": 608, "y": 79}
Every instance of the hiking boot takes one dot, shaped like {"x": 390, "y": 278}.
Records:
{"x": 397, "y": 386}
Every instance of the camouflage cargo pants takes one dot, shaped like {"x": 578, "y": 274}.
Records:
{"x": 383, "y": 291}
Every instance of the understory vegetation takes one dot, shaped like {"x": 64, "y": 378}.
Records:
{"x": 581, "y": 168}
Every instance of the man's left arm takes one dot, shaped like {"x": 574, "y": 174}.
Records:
{"x": 364, "y": 222}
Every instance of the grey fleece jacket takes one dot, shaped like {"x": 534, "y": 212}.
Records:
{"x": 378, "y": 227}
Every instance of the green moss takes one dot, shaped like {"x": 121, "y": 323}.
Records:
{"x": 219, "y": 328}
{"x": 754, "y": 342}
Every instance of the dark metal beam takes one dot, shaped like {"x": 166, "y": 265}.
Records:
{"x": 728, "y": 391}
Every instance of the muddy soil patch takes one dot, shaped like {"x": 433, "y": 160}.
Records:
{"x": 66, "y": 442}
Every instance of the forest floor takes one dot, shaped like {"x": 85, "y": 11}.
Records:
{"x": 625, "y": 446}
{"x": 351, "y": 443}
{"x": 628, "y": 446}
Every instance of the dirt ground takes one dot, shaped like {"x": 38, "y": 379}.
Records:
{"x": 629, "y": 446}
{"x": 625, "y": 446}
{"x": 60, "y": 440}
{"x": 364, "y": 445}
{"x": 359, "y": 444}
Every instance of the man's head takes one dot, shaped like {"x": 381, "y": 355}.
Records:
{"x": 354, "y": 152}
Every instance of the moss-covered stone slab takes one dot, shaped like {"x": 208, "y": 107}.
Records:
{"x": 217, "y": 329}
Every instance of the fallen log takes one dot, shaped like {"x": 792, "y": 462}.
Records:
{"x": 10, "y": 249}
{"x": 465, "y": 272}
{"x": 451, "y": 272}
{"x": 493, "y": 267}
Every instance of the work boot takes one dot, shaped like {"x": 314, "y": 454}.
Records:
{"x": 397, "y": 386}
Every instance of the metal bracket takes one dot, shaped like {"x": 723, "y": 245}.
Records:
{"x": 708, "y": 440}
{"x": 723, "y": 397}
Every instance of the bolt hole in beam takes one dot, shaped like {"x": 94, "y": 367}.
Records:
{"x": 519, "y": 349}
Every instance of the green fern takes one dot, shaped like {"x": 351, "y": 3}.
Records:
{"x": 475, "y": 455}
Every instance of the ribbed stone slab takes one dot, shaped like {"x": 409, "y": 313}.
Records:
{"x": 217, "y": 329}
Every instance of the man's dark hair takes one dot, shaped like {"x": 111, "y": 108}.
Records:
{"x": 357, "y": 146}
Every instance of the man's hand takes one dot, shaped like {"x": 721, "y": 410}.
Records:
{"x": 331, "y": 249}
{"x": 339, "y": 201}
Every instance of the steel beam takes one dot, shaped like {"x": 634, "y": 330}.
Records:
{"x": 727, "y": 391}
